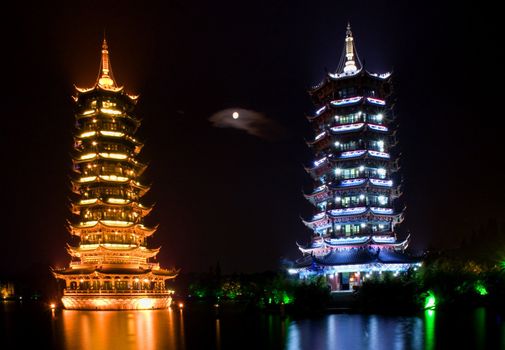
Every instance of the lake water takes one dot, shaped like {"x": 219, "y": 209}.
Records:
{"x": 174, "y": 329}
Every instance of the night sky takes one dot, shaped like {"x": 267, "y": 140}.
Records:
{"x": 222, "y": 194}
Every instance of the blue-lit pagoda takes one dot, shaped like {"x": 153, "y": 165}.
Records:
{"x": 354, "y": 188}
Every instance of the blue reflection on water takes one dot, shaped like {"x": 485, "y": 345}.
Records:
{"x": 343, "y": 331}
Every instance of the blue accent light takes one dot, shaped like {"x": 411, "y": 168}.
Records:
{"x": 346, "y": 101}
{"x": 377, "y": 127}
{"x": 376, "y": 101}
{"x": 378, "y": 182}
{"x": 378, "y": 210}
{"x": 347, "y": 127}
{"x": 352, "y": 154}
{"x": 353, "y": 182}
{"x": 379, "y": 154}
{"x": 348, "y": 211}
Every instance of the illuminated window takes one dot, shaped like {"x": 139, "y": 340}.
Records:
{"x": 350, "y": 118}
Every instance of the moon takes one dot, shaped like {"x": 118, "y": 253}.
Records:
{"x": 235, "y": 115}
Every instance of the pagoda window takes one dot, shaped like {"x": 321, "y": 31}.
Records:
{"x": 349, "y": 173}
{"x": 93, "y": 104}
{"x": 370, "y": 92}
{"x": 349, "y": 118}
{"x": 108, "y": 104}
{"x": 351, "y": 229}
{"x": 110, "y": 126}
{"x": 350, "y": 201}
{"x": 378, "y": 173}
{"x": 375, "y": 118}
{"x": 347, "y": 92}
{"x": 349, "y": 146}
{"x": 377, "y": 145}
{"x": 111, "y": 147}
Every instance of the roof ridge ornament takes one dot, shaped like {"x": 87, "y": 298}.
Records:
{"x": 105, "y": 77}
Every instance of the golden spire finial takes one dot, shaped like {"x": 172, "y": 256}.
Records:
{"x": 105, "y": 79}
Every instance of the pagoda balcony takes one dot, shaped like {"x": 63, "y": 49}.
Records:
{"x": 116, "y": 291}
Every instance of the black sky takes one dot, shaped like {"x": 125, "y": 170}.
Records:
{"x": 221, "y": 194}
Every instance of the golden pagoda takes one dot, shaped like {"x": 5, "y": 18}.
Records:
{"x": 110, "y": 268}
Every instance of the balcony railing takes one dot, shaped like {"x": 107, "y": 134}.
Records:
{"x": 117, "y": 291}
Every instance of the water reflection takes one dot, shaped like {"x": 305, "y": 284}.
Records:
{"x": 201, "y": 329}
{"x": 147, "y": 330}
{"x": 429, "y": 331}
{"x": 343, "y": 331}
{"x": 480, "y": 327}
{"x": 218, "y": 334}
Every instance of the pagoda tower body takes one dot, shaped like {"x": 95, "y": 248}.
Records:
{"x": 110, "y": 268}
{"x": 354, "y": 184}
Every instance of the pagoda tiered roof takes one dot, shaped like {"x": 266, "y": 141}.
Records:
{"x": 105, "y": 249}
{"x": 365, "y": 214}
{"x": 88, "y": 227}
{"x": 359, "y": 259}
{"x": 325, "y": 244}
{"x": 117, "y": 202}
{"x": 101, "y": 272}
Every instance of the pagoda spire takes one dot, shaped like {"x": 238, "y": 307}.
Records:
{"x": 105, "y": 77}
{"x": 350, "y": 63}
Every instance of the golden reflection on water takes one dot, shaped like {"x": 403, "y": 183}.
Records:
{"x": 218, "y": 334}
{"x": 146, "y": 330}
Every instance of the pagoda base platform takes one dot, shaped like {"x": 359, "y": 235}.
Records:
{"x": 110, "y": 301}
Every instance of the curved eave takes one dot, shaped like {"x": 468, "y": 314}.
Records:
{"x": 103, "y": 272}
{"x": 77, "y": 160}
{"x": 317, "y": 223}
{"x": 379, "y": 77}
{"x": 306, "y": 248}
{"x": 145, "y": 252}
{"x": 98, "y": 179}
{"x": 125, "y": 137}
{"x": 365, "y": 183}
{"x": 99, "y": 202}
{"x": 368, "y": 214}
{"x": 99, "y": 87}
{"x": 166, "y": 273}
{"x": 99, "y": 224}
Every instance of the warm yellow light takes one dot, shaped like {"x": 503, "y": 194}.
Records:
{"x": 88, "y": 133}
{"x": 111, "y": 133}
{"x": 89, "y": 111}
{"x": 117, "y": 223}
{"x": 87, "y": 179}
{"x": 114, "y": 178}
{"x": 117, "y": 200}
{"x": 110, "y": 111}
{"x": 89, "y": 223}
{"x": 88, "y": 156}
{"x": 88, "y": 201}
{"x": 146, "y": 303}
{"x": 52, "y": 306}
{"x": 181, "y": 305}
{"x": 114, "y": 155}
{"x": 100, "y": 302}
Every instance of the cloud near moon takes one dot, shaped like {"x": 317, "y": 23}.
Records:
{"x": 252, "y": 122}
